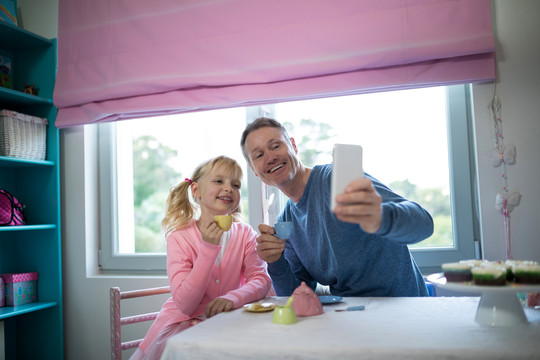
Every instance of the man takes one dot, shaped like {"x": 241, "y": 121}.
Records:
{"x": 357, "y": 249}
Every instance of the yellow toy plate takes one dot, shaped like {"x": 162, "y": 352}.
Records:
{"x": 260, "y": 307}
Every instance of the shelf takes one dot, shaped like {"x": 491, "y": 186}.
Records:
{"x": 10, "y": 97}
{"x": 14, "y": 38}
{"x": 27, "y": 227}
{"x": 15, "y": 162}
{"x": 9, "y": 311}
{"x": 33, "y": 330}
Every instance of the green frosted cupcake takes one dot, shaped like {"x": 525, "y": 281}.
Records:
{"x": 457, "y": 272}
{"x": 489, "y": 275}
{"x": 502, "y": 264}
{"x": 526, "y": 273}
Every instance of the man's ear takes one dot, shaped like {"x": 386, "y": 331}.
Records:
{"x": 294, "y": 145}
{"x": 252, "y": 169}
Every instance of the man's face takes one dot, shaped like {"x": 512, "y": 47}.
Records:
{"x": 272, "y": 156}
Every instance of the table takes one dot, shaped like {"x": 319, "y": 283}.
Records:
{"x": 404, "y": 328}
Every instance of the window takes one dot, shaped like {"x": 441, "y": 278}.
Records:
{"x": 140, "y": 160}
{"x": 415, "y": 141}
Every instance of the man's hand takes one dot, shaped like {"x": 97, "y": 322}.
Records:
{"x": 360, "y": 204}
{"x": 218, "y": 305}
{"x": 269, "y": 247}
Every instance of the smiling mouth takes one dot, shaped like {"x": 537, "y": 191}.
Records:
{"x": 275, "y": 168}
{"x": 225, "y": 198}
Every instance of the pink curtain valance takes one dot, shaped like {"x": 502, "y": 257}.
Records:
{"x": 121, "y": 59}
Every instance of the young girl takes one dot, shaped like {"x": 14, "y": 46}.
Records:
{"x": 210, "y": 271}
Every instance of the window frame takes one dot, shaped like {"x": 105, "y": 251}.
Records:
{"x": 461, "y": 153}
{"x": 461, "y": 163}
{"x": 109, "y": 259}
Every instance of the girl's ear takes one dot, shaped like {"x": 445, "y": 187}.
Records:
{"x": 195, "y": 190}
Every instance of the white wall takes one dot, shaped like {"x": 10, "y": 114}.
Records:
{"x": 39, "y": 16}
{"x": 517, "y": 33}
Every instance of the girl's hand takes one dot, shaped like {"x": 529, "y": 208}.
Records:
{"x": 210, "y": 231}
{"x": 218, "y": 305}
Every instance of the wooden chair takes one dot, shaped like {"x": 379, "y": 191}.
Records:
{"x": 117, "y": 346}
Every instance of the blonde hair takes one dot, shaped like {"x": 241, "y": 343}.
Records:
{"x": 180, "y": 210}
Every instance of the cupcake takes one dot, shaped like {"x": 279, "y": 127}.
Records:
{"x": 502, "y": 264}
{"x": 457, "y": 271}
{"x": 489, "y": 275}
{"x": 526, "y": 273}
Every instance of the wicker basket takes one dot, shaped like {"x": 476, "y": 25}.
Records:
{"x": 22, "y": 135}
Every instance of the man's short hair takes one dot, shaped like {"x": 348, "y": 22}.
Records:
{"x": 256, "y": 125}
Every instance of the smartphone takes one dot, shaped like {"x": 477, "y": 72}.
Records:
{"x": 347, "y": 166}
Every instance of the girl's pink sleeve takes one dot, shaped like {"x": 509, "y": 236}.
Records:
{"x": 257, "y": 283}
{"x": 188, "y": 272}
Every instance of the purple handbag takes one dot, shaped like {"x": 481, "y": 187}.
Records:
{"x": 11, "y": 210}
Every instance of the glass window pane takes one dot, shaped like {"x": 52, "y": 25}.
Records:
{"x": 408, "y": 138}
{"x": 156, "y": 153}
{"x": 404, "y": 140}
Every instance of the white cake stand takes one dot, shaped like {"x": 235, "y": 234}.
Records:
{"x": 498, "y": 306}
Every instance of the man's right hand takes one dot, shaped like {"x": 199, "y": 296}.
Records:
{"x": 269, "y": 247}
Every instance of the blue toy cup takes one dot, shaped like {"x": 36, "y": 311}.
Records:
{"x": 284, "y": 230}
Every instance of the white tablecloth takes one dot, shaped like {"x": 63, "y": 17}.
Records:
{"x": 401, "y": 328}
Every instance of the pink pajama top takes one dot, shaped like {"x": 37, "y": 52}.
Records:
{"x": 196, "y": 280}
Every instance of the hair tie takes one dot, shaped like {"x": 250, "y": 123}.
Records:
{"x": 190, "y": 181}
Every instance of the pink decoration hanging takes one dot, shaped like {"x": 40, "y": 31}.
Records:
{"x": 505, "y": 202}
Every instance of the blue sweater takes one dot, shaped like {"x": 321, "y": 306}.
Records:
{"x": 341, "y": 255}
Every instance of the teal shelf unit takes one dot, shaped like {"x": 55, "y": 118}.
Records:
{"x": 35, "y": 330}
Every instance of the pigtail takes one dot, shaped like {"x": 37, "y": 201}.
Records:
{"x": 179, "y": 209}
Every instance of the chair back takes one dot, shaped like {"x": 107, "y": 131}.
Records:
{"x": 117, "y": 321}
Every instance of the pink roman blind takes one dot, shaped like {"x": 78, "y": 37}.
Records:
{"x": 121, "y": 59}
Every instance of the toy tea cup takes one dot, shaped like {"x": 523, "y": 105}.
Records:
{"x": 224, "y": 221}
{"x": 284, "y": 229}
{"x": 284, "y": 314}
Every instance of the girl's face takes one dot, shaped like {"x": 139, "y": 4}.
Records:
{"x": 218, "y": 193}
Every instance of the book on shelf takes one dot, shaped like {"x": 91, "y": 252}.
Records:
{"x": 8, "y": 11}
{"x": 6, "y": 72}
